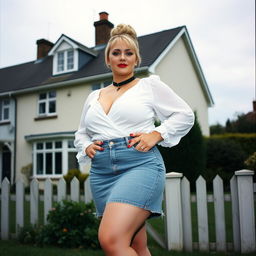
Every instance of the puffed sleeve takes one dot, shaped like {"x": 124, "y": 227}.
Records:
{"x": 176, "y": 117}
{"x": 82, "y": 139}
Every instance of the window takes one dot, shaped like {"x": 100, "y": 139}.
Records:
{"x": 54, "y": 158}
{"x": 65, "y": 61}
{"x": 4, "y": 110}
{"x": 100, "y": 85}
{"x": 47, "y": 103}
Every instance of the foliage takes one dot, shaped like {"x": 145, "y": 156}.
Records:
{"x": 189, "y": 156}
{"x": 69, "y": 224}
{"x": 243, "y": 123}
{"x": 75, "y": 173}
{"x": 250, "y": 162}
{"x": 247, "y": 141}
{"x": 224, "y": 157}
{"x": 28, "y": 234}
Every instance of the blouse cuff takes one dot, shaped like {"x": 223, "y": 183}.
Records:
{"x": 167, "y": 140}
{"x": 82, "y": 156}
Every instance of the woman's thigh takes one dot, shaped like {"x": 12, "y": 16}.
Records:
{"x": 120, "y": 221}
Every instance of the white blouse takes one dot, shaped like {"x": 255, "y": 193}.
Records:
{"x": 134, "y": 111}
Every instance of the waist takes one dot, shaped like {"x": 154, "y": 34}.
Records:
{"x": 117, "y": 141}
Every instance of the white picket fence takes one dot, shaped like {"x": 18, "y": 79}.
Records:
{"x": 178, "y": 222}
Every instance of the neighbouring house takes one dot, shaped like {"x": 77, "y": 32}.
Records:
{"x": 41, "y": 101}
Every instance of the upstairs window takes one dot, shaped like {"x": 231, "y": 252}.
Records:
{"x": 4, "y": 110}
{"x": 47, "y": 103}
{"x": 65, "y": 61}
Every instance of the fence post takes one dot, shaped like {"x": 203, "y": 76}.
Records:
{"x": 34, "y": 201}
{"x": 5, "y": 209}
{"x": 75, "y": 189}
{"x": 173, "y": 208}
{"x": 19, "y": 206}
{"x": 47, "y": 198}
{"x": 246, "y": 210}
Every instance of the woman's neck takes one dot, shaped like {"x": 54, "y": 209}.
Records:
{"x": 120, "y": 78}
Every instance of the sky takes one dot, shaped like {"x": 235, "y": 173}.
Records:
{"x": 222, "y": 33}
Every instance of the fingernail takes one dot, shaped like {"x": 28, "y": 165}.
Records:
{"x": 128, "y": 146}
{"x": 102, "y": 149}
{"x": 130, "y": 141}
{"x": 131, "y": 134}
{"x": 101, "y": 142}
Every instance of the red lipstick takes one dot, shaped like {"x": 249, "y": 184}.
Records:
{"x": 122, "y": 65}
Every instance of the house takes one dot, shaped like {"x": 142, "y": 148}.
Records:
{"x": 41, "y": 101}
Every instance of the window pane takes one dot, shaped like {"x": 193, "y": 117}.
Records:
{"x": 52, "y": 106}
{"x": 52, "y": 94}
{"x": 39, "y": 145}
{"x": 48, "y": 163}
{"x": 58, "y": 144}
{"x": 58, "y": 163}
{"x": 42, "y": 96}
{"x": 95, "y": 87}
{"x": 48, "y": 145}
{"x": 60, "y": 61}
{"x": 72, "y": 161}
{"x": 71, "y": 144}
{"x": 70, "y": 59}
{"x": 6, "y": 102}
{"x": 39, "y": 163}
{"x": 42, "y": 108}
{"x": 6, "y": 113}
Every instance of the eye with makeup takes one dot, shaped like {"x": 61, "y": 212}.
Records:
{"x": 127, "y": 53}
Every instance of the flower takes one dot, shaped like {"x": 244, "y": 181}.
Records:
{"x": 65, "y": 230}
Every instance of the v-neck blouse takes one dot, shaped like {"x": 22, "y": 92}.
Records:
{"x": 134, "y": 111}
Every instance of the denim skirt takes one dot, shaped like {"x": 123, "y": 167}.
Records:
{"x": 126, "y": 175}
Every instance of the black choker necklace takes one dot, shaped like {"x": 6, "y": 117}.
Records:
{"x": 118, "y": 85}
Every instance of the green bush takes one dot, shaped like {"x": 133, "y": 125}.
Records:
{"x": 224, "y": 156}
{"x": 189, "y": 156}
{"x": 69, "y": 224}
{"x": 250, "y": 162}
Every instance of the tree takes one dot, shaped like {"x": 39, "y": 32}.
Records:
{"x": 189, "y": 156}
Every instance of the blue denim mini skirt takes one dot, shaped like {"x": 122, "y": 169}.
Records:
{"x": 126, "y": 175}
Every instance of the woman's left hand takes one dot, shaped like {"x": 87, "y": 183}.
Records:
{"x": 145, "y": 140}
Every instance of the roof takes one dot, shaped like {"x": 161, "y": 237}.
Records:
{"x": 37, "y": 74}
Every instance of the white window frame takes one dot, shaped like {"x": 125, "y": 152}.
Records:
{"x": 4, "y": 107}
{"x": 65, "y": 67}
{"x": 64, "y": 150}
{"x": 47, "y": 101}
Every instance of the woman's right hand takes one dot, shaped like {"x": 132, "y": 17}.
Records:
{"x": 91, "y": 149}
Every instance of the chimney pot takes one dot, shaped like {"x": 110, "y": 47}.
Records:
{"x": 103, "y": 16}
{"x": 254, "y": 105}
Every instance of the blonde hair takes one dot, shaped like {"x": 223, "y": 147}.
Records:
{"x": 127, "y": 34}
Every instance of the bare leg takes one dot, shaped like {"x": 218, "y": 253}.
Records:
{"x": 119, "y": 223}
{"x": 139, "y": 243}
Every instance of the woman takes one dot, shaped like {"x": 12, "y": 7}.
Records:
{"x": 118, "y": 135}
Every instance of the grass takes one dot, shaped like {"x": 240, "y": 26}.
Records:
{"x": 13, "y": 248}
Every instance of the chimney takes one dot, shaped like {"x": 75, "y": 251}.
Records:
{"x": 254, "y": 105}
{"x": 43, "y": 47}
{"x": 102, "y": 29}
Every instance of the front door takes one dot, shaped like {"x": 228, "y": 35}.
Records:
{"x": 6, "y": 163}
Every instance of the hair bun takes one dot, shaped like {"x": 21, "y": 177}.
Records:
{"x": 123, "y": 29}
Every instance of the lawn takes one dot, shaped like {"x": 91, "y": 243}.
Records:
{"x": 13, "y": 248}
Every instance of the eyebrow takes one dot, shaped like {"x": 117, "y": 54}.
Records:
{"x": 120, "y": 50}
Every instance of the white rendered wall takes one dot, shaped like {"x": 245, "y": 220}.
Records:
{"x": 177, "y": 70}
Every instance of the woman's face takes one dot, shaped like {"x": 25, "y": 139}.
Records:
{"x": 122, "y": 59}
